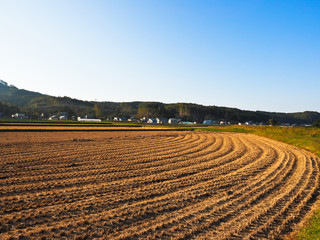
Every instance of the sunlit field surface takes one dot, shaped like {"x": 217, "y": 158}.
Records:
{"x": 152, "y": 185}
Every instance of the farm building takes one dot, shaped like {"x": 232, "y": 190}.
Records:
{"x": 152, "y": 120}
{"x": 53, "y": 117}
{"x": 119, "y": 119}
{"x": 19, "y": 116}
{"x": 174, "y": 120}
{"x": 122, "y": 119}
{"x": 132, "y": 119}
{"x": 162, "y": 120}
{"x": 59, "y": 116}
{"x": 144, "y": 119}
{"x": 209, "y": 122}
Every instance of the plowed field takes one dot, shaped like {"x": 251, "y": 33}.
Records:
{"x": 152, "y": 185}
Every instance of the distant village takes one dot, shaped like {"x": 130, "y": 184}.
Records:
{"x": 64, "y": 116}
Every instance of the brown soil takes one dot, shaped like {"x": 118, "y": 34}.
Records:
{"x": 152, "y": 185}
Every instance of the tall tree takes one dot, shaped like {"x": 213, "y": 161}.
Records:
{"x": 97, "y": 110}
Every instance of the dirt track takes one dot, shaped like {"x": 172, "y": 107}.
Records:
{"x": 147, "y": 185}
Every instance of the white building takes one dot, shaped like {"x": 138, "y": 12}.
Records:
{"x": 88, "y": 119}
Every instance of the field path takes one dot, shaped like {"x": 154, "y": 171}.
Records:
{"x": 152, "y": 185}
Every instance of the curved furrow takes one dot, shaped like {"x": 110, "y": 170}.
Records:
{"x": 205, "y": 208}
{"x": 55, "y": 165}
{"x": 154, "y": 186}
{"x": 90, "y": 157}
{"x": 294, "y": 210}
{"x": 79, "y": 154}
{"x": 270, "y": 206}
{"x": 71, "y": 185}
{"x": 76, "y": 178}
{"x": 150, "y": 181}
{"x": 190, "y": 183}
{"x": 112, "y": 155}
{"x": 56, "y": 147}
{"x": 270, "y": 187}
{"x": 203, "y": 194}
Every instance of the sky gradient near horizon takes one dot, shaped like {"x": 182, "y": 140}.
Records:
{"x": 253, "y": 55}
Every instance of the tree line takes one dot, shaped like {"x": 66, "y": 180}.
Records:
{"x": 32, "y": 103}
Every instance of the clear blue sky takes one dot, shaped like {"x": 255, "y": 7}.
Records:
{"x": 255, "y": 55}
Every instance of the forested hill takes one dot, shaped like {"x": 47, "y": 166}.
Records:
{"x": 13, "y": 99}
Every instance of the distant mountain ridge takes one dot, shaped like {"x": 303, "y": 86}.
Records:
{"x": 36, "y": 103}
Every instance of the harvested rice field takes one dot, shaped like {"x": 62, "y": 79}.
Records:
{"x": 152, "y": 185}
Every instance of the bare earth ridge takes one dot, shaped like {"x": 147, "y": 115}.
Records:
{"x": 151, "y": 185}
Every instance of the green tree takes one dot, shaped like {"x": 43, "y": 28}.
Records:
{"x": 151, "y": 109}
{"x": 97, "y": 110}
{"x": 316, "y": 124}
{"x": 8, "y": 109}
{"x": 273, "y": 122}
